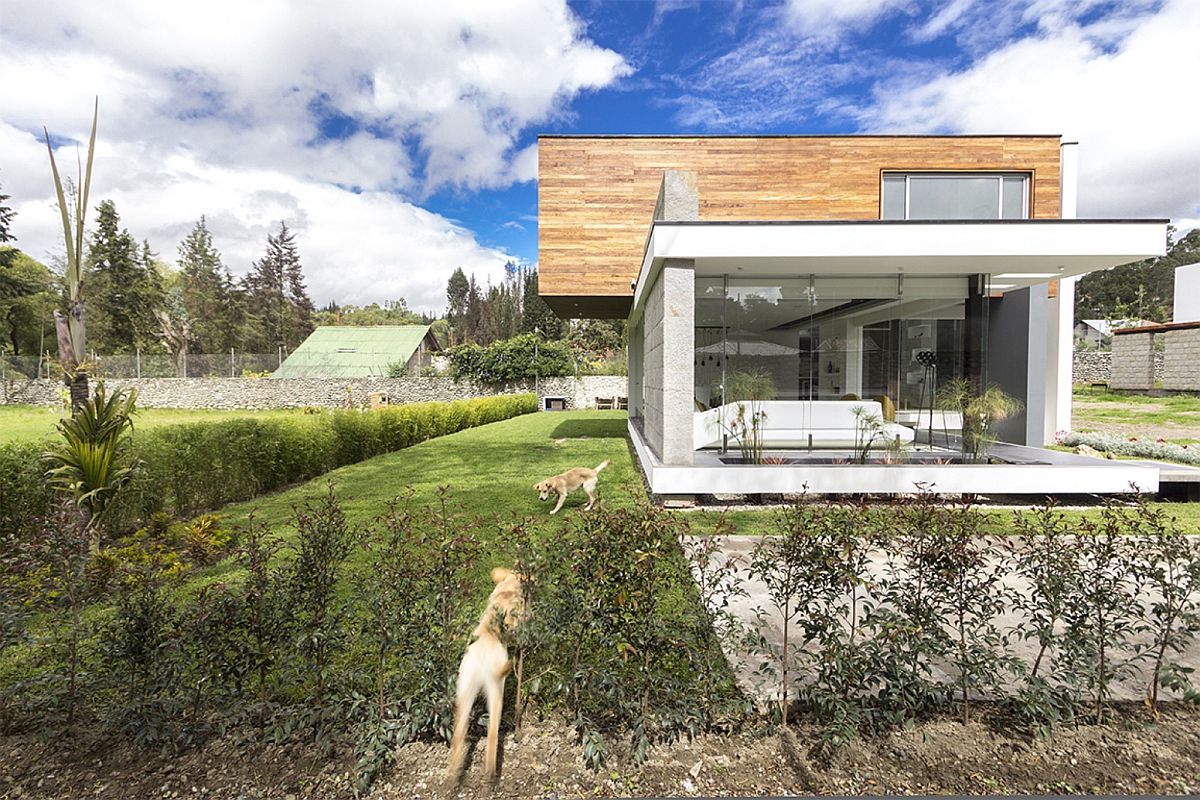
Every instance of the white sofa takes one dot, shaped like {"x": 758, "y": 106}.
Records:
{"x": 789, "y": 424}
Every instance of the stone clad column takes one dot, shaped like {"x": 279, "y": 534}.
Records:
{"x": 1133, "y": 361}
{"x": 668, "y": 330}
{"x": 669, "y": 369}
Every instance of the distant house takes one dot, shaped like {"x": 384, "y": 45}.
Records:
{"x": 1098, "y": 332}
{"x": 360, "y": 352}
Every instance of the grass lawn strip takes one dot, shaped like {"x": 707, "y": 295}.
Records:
{"x": 21, "y": 423}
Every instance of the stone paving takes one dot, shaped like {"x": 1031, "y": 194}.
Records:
{"x": 756, "y": 609}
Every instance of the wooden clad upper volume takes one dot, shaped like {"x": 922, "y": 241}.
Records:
{"x": 596, "y": 195}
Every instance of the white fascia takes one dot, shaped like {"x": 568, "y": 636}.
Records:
{"x": 873, "y": 247}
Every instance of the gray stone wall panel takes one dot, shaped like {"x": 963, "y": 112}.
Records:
{"x": 264, "y": 393}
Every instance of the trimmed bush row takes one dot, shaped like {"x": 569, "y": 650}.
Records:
{"x": 189, "y": 469}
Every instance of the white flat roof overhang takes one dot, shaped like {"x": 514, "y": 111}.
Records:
{"x": 1016, "y": 248}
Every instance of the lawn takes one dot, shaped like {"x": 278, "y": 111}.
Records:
{"x": 491, "y": 469}
{"x": 19, "y": 423}
{"x": 1175, "y": 418}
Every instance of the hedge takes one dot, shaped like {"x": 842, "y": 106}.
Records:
{"x": 522, "y": 357}
{"x": 197, "y": 467}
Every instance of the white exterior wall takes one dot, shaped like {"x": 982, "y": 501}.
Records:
{"x": 1187, "y": 293}
{"x": 1060, "y": 313}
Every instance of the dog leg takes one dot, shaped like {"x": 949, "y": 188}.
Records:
{"x": 495, "y": 704}
{"x": 590, "y": 488}
{"x": 464, "y": 700}
{"x": 562, "y": 498}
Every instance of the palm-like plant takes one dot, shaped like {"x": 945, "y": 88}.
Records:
{"x": 68, "y": 324}
{"x": 746, "y": 422}
{"x": 981, "y": 413}
{"x": 94, "y": 458}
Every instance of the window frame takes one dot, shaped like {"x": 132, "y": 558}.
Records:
{"x": 998, "y": 175}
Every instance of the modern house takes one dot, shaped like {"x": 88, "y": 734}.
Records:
{"x": 352, "y": 351}
{"x": 851, "y": 275}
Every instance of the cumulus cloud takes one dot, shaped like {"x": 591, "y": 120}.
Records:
{"x": 1107, "y": 84}
{"x": 828, "y": 18}
{"x": 357, "y": 247}
{"x": 338, "y": 117}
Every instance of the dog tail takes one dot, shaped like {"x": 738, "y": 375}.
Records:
{"x": 603, "y": 464}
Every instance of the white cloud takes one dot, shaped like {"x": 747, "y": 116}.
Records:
{"x": 356, "y": 248}
{"x": 1112, "y": 84}
{"x": 217, "y": 108}
{"x": 828, "y": 18}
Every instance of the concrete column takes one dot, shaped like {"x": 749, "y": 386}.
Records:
{"x": 1060, "y": 312}
{"x": 1060, "y": 349}
{"x": 1133, "y": 361}
{"x": 668, "y": 367}
{"x": 1040, "y": 397}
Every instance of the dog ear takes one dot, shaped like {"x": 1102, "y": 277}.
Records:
{"x": 537, "y": 487}
{"x": 500, "y": 575}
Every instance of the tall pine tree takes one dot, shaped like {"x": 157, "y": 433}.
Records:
{"x": 534, "y": 311}
{"x": 125, "y": 288}
{"x": 279, "y": 307}
{"x": 208, "y": 296}
{"x": 457, "y": 290}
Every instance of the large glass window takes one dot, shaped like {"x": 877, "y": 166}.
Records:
{"x": 813, "y": 338}
{"x": 955, "y": 196}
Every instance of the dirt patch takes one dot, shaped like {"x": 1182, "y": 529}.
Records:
{"x": 1133, "y": 755}
{"x": 1171, "y": 431}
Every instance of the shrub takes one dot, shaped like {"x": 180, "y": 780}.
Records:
{"x": 1137, "y": 448}
{"x": 519, "y": 358}
{"x": 189, "y": 469}
{"x": 603, "y": 636}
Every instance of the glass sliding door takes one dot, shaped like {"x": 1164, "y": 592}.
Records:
{"x": 813, "y": 338}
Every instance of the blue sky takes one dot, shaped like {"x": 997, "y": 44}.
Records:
{"x": 398, "y": 140}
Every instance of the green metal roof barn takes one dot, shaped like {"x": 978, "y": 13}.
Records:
{"x": 359, "y": 351}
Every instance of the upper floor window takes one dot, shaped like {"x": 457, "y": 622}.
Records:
{"x": 970, "y": 195}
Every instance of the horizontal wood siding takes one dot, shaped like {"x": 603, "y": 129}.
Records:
{"x": 596, "y": 195}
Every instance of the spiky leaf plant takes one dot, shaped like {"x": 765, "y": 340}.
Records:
{"x": 94, "y": 458}
{"x": 69, "y": 323}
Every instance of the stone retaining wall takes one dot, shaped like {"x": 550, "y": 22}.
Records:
{"x": 239, "y": 393}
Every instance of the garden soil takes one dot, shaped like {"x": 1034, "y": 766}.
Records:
{"x": 1131, "y": 755}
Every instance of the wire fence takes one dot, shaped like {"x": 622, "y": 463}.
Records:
{"x": 233, "y": 364}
